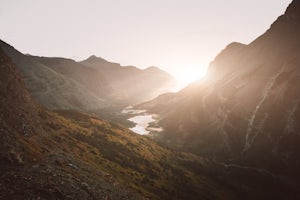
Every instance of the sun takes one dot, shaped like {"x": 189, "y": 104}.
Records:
{"x": 187, "y": 76}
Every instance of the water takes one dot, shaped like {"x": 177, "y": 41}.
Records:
{"x": 142, "y": 121}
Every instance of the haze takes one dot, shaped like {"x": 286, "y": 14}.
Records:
{"x": 181, "y": 37}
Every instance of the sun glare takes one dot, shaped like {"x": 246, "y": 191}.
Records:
{"x": 185, "y": 77}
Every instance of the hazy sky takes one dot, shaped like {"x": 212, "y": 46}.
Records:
{"x": 180, "y": 36}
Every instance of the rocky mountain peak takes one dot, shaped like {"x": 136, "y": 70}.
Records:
{"x": 289, "y": 22}
{"x": 94, "y": 58}
{"x": 293, "y": 11}
{"x": 154, "y": 69}
{"x": 226, "y": 57}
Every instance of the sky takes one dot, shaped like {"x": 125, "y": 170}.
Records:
{"x": 179, "y": 36}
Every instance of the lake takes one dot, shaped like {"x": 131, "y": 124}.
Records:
{"x": 142, "y": 121}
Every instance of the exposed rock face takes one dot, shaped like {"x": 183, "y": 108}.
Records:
{"x": 247, "y": 109}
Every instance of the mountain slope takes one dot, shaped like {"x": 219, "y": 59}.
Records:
{"x": 130, "y": 83}
{"x": 71, "y": 155}
{"x": 93, "y": 85}
{"x": 247, "y": 110}
{"x": 34, "y": 161}
{"x": 89, "y": 78}
{"x": 51, "y": 88}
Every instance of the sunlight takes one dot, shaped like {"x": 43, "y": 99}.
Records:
{"x": 185, "y": 77}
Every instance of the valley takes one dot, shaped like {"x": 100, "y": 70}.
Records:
{"x": 95, "y": 129}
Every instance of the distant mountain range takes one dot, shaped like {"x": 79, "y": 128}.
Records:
{"x": 247, "y": 110}
{"x": 93, "y": 84}
{"x": 129, "y": 82}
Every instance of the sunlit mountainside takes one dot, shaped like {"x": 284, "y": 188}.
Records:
{"x": 234, "y": 134}
{"x": 246, "y": 111}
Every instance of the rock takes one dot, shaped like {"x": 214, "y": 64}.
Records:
{"x": 73, "y": 166}
{"x": 85, "y": 186}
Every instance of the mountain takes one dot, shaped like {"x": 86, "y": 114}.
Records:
{"x": 56, "y": 87}
{"x": 35, "y": 163}
{"x": 91, "y": 79}
{"x": 243, "y": 119}
{"x": 246, "y": 111}
{"x": 131, "y": 83}
{"x": 72, "y": 155}
{"x": 61, "y": 83}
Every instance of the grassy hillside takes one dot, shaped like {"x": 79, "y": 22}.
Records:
{"x": 94, "y": 156}
{"x": 137, "y": 162}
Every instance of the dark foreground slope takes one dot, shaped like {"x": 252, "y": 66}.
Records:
{"x": 247, "y": 109}
{"x": 70, "y": 155}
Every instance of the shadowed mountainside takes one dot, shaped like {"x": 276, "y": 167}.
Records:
{"x": 131, "y": 83}
{"x": 91, "y": 79}
{"x": 246, "y": 111}
{"x": 54, "y": 88}
{"x": 60, "y": 83}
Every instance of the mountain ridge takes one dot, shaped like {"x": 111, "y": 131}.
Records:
{"x": 62, "y": 83}
{"x": 246, "y": 111}
{"x": 152, "y": 80}
{"x": 50, "y": 88}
